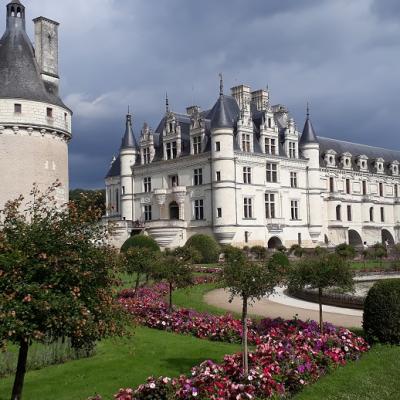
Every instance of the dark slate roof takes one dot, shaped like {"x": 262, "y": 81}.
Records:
{"x": 19, "y": 72}
{"x": 129, "y": 141}
{"x": 224, "y": 113}
{"x": 308, "y": 135}
{"x": 355, "y": 149}
{"x": 115, "y": 168}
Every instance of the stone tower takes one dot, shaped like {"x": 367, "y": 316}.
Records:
{"x": 35, "y": 125}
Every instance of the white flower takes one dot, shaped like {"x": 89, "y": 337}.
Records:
{"x": 152, "y": 385}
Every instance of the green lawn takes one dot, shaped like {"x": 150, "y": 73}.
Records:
{"x": 371, "y": 264}
{"x": 119, "y": 363}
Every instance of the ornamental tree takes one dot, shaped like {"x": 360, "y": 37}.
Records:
{"x": 56, "y": 277}
{"x": 327, "y": 270}
{"x": 250, "y": 281}
{"x": 175, "y": 271}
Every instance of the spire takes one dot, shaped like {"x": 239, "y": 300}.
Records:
{"x": 221, "y": 85}
{"x": 15, "y": 15}
{"x": 129, "y": 140}
{"x": 166, "y": 103}
{"x": 221, "y": 115}
{"x": 308, "y": 135}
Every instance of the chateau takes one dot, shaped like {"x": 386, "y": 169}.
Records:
{"x": 243, "y": 173}
{"x": 35, "y": 125}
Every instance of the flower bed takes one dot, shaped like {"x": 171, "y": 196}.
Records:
{"x": 289, "y": 354}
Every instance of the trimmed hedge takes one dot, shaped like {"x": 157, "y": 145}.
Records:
{"x": 345, "y": 251}
{"x": 207, "y": 247}
{"x": 382, "y": 312}
{"x": 140, "y": 241}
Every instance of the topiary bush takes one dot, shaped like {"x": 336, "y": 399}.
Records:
{"x": 345, "y": 251}
{"x": 381, "y": 321}
{"x": 207, "y": 247}
{"x": 140, "y": 241}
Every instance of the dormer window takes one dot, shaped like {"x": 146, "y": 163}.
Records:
{"x": 171, "y": 150}
{"x": 292, "y": 149}
{"x": 17, "y": 108}
{"x": 270, "y": 146}
{"x": 330, "y": 158}
{"x": 362, "y": 162}
{"x": 346, "y": 160}
{"x": 246, "y": 143}
{"x": 394, "y": 167}
{"x": 196, "y": 143}
{"x": 146, "y": 155}
{"x": 379, "y": 165}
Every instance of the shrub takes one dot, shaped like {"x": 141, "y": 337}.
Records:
{"x": 260, "y": 252}
{"x": 346, "y": 251}
{"x": 296, "y": 250}
{"x": 278, "y": 261}
{"x": 282, "y": 248}
{"x": 319, "y": 251}
{"x": 378, "y": 250}
{"x": 140, "y": 241}
{"x": 381, "y": 320}
{"x": 188, "y": 254}
{"x": 232, "y": 253}
{"x": 207, "y": 247}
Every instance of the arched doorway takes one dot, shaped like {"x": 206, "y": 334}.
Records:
{"x": 355, "y": 238}
{"x": 386, "y": 235}
{"x": 274, "y": 242}
{"x": 173, "y": 210}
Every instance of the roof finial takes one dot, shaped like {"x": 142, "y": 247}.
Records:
{"x": 221, "y": 85}
{"x": 308, "y": 110}
{"x": 129, "y": 109}
{"x": 166, "y": 103}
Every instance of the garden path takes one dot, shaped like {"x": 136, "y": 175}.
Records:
{"x": 281, "y": 305}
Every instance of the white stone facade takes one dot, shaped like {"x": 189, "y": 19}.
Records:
{"x": 237, "y": 185}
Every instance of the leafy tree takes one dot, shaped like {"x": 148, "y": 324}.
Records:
{"x": 140, "y": 261}
{"x": 86, "y": 199}
{"x": 251, "y": 281}
{"x": 320, "y": 273}
{"x": 176, "y": 272}
{"x": 56, "y": 277}
{"x": 345, "y": 251}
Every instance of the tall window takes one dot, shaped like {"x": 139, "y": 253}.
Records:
{"x": 218, "y": 176}
{"x": 246, "y": 175}
{"x": 147, "y": 184}
{"x": 174, "y": 180}
{"x": 198, "y": 210}
{"x": 248, "y": 207}
{"x": 293, "y": 179}
{"x": 196, "y": 144}
{"x": 198, "y": 176}
{"x": 338, "y": 213}
{"x": 382, "y": 214}
{"x": 292, "y": 150}
{"x": 269, "y": 205}
{"x": 349, "y": 216}
{"x": 217, "y": 146}
{"x": 49, "y": 112}
{"x": 171, "y": 150}
{"x": 371, "y": 214}
{"x": 270, "y": 146}
{"x": 117, "y": 201}
{"x": 269, "y": 122}
{"x": 219, "y": 212}
{"x": 364, "y": 188}
{"x": 348, "y": 189}
{"x": 272, "y": 172}
{"x": 396, "y": 191}
{"x": 146, "y": 155}
{"x": 246, "y": 142}
{"x": 294, "y": 210}
{"x": 147, "y": 213}
{"x": 331, "y": 184}
{"x": 381, "y": 189}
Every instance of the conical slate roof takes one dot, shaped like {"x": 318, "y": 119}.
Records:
{"x": 224, "y": 112}
{"x": 308, "y": 135}
{"x": 19, "y": 72}
{"x": 129, "y": 141}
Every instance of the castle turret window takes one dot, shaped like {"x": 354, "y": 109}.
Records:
{"x": 217, "y": 146}
{"x": 272, "y": 172}
{"x": 18, "y": 108}
{"x": 218, "y": 176}
{"x": 49, "y": 112}
{"x": 219, "y": 212}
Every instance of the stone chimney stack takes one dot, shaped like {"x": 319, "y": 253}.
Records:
{"x": 46, "y": 51}
{"x": 261, "y": 99}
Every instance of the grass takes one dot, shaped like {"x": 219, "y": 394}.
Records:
{"x": 370, "y": 264}
{"x": 119, "y": 363}
{"x": 375, "y": 376}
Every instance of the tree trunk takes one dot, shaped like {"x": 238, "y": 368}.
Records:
{"x": 244, "y": 338}
{"x": 321, "y": 322}
{"x": 136, "y": 284}
{"x": 170, "y": 297}
{"x": 21, "y": 369}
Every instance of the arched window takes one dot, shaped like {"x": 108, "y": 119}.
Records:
{"x": 371, "y": 214}
{"x": 338, "y": 213}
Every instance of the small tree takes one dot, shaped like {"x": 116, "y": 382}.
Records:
{"x": 56, "y": 278}
{"x": 320, "y": 273}
{"x": 188, "y": 254}
{"x": 251, "y": 281}
{"x": 378, "y": 251}
{"x": 175, "y": 272}
{"x": 140, "y": 261}
{"x": 345, "y": 251}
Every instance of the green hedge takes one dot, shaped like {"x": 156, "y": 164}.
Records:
{"x": 382, "y": 312}
{"x": 207, "y": 247}
{"x": 140, "y": 241}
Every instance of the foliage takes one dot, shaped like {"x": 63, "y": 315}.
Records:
{"x": 381, "y": 320}
{"x": 378, "y": 251}
{"x": 56, "y": 277}
{"x": 296, "y": 250}
{"x": 188, "y": 254}
{"x": 279, "y": 262}
{"x": 282, "y": 249}
{"x": 320, "y": 273}
{"x": 140, "y": 241}
{"x": 345, "y": 251}
{"x": 86, "y": 200}
{"x": 319, "y": 251}
{"x": 260, "y": 252}
{"x": 176, "y": 272}
{"x": 232, "y": 253}
{"x": 206, "y": 246}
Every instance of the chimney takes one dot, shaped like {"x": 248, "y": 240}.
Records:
{"x": 260, "y": 98}
{"x": 46, "y": 51}
{"x": 242, "y": 96}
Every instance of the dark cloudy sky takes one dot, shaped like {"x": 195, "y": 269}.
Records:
{"x": 340, "y": 55}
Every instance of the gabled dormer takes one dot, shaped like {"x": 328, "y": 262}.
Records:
{"x": 378, "y": 165}
{"x": 330, "y": 158}
{"x": 147, "y": 150}
{"x": 269, "y": 133}
{"x": 291, "y": 139}
{"x": 197, "y": 130}
{"x": 172, "y": 138}
{"x": 362, "y": 162}
{"x": 345, "y": 160}
{"x": 394, "y": 168}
